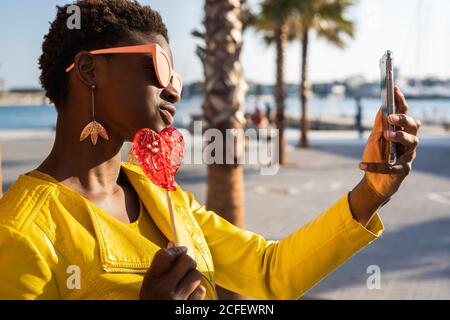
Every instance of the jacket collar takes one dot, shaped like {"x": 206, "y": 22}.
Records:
{"x": 121, "y": 249}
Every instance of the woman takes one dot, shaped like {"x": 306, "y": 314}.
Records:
{"x": 83, "y": 225}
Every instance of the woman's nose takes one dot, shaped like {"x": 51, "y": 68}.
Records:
{"x": 170, "y": 94}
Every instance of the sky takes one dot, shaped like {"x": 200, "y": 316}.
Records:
{"x": 417, "y": 31}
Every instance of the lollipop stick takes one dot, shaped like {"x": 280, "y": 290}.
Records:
{"x": 172, "y": 218}
{"x": 130, "y": 156}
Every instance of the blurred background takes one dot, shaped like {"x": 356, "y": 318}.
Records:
{"x": 309, "y": 69}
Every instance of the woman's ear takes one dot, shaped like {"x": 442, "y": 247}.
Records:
{"x": 85, "y": 68}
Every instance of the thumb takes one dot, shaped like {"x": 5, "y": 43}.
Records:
{"x": 163, "y": 261}
{"x": 374, "y": 149}
{"x": 380, "y": 123}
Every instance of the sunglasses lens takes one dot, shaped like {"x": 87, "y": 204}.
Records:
{"x": 177, "y": 83}
{"x": 163, "y": 67}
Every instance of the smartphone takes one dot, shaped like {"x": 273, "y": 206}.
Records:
{"x": 388, "y": 101}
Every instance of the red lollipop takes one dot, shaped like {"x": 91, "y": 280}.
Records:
{"x": 160, "y": 156}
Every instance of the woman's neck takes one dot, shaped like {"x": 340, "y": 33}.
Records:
{"x": 80, "y": 164}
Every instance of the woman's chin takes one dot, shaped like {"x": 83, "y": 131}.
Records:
{"x": 156, "y": 126}
{"x": 160, "y": 127}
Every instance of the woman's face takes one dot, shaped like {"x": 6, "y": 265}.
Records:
{"x": 128, "y": 96}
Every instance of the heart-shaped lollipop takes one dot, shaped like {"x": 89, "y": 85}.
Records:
{"x": 159, "y": 154}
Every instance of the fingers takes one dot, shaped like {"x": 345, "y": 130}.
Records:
{"x": 385, "y": 168}
{"x": 409, "y": 124}
{"x": 189, "y": 284}
{"x": 182, "y": 266}
{"x": 410, "y": 141}
{"x": 198, "y": 294}
{"x": 172, "y": 276}
{"x": 409, "y": 156}
{"x": 163, "y": 261}
{"x": 400, "y": 102}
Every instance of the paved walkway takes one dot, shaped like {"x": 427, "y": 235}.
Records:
{"x": 413, "y": 254}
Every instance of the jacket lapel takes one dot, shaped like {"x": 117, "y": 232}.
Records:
{"x": 121, "y": 248}
{"x": 124, "y": 250}
{"x": 154, "y": 199}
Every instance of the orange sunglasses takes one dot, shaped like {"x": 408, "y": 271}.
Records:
{"x": 164, "y": 71}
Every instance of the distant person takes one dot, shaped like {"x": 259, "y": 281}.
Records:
{"x": 259, "y": 119}
{"x": 268, "y": 113}
{"x": 248, "y": 120}
{"x": 358, "y": 118}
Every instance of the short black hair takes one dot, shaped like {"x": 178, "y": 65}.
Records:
{"x": 104, "y": 23}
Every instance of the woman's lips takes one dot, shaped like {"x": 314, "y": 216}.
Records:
{"x": 167, "y": 113}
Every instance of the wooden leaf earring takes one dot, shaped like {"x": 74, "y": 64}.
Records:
{"x": 93, "y": 128}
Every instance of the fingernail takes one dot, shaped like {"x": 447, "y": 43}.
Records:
{"x": 180, "y": 250}
{"x": 390, "y": 134}
{"x": 363, "y": 166}
{"x": 394, "y": 118}
{"x": 201, "y": 289}
{"x": 184, "y": 249}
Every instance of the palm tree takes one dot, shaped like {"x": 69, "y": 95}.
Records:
{"x": 275, "y": 23}
{"x": 326, "y": 18}
{"x": 224, "y": 87}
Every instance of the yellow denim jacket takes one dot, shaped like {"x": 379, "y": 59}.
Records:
{"x": 50, "y": 234}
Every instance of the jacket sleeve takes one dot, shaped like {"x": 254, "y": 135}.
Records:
{"x": 24, "y": 274}
{"x": 246, "y": 263}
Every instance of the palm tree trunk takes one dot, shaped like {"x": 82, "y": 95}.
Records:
{"x": 224, "y": 95}
{"x": 280, "y": 89}
{"x": 226, "y": 192}
{"x": 304, "y": 123}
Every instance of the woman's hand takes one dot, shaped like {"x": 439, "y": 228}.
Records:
{"x": 172, "y": 276}
{"x": 381, "y": 180}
